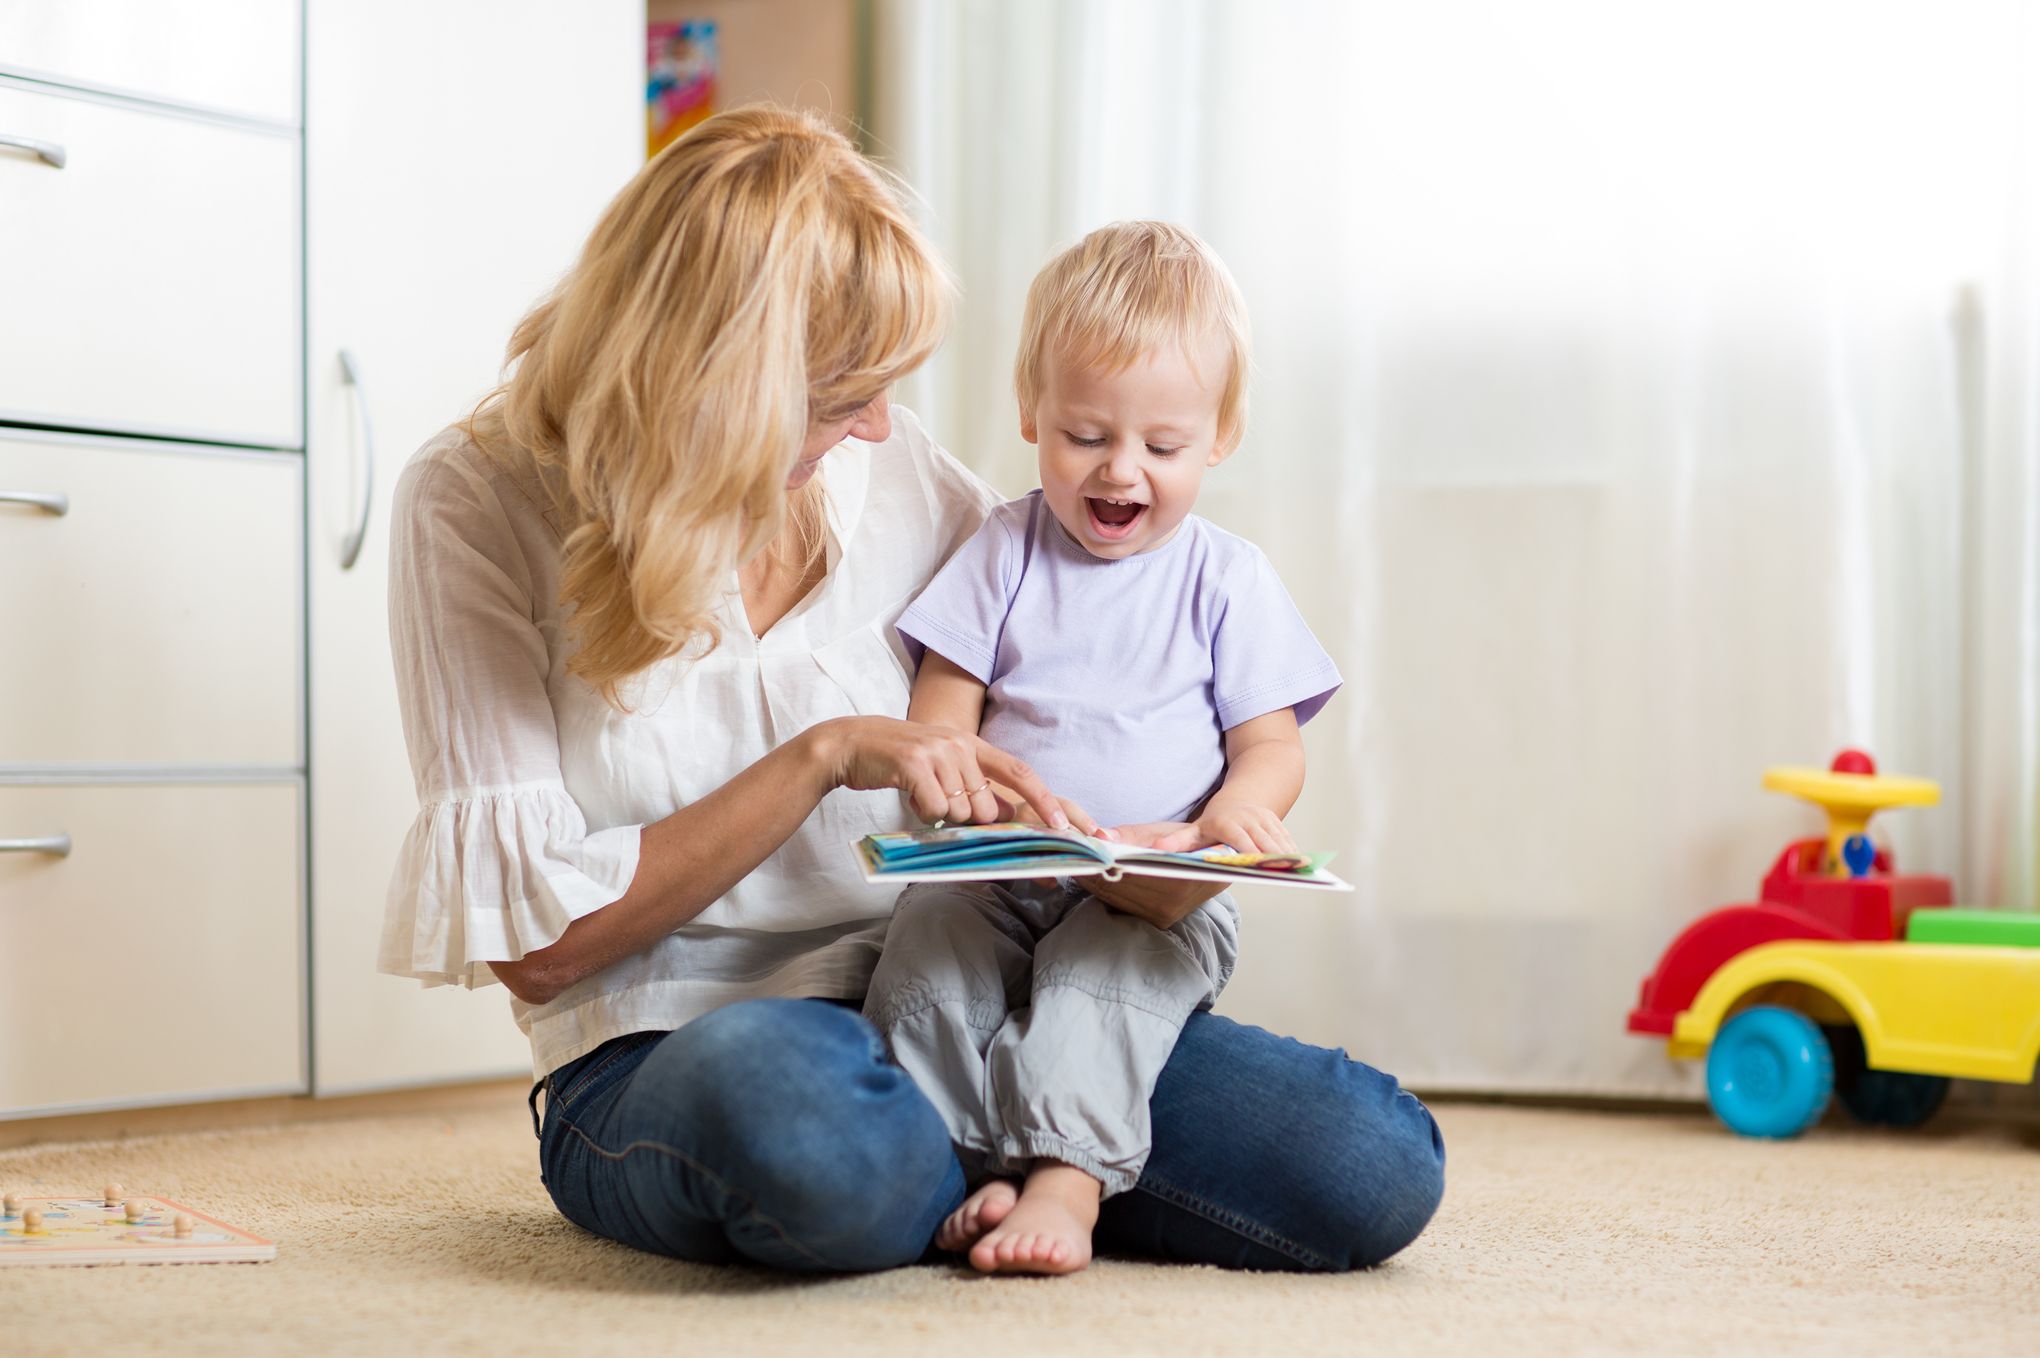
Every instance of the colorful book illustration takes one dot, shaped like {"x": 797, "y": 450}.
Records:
{"x": 989, "y": 853}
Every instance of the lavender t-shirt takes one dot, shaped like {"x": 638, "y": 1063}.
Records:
{"x": 1117, "y": 680}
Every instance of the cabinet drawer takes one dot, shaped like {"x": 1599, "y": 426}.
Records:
{"x": 239, "y": 56}
{"x": 162, "y": 959}
{"x": 153, "y": 279}
{"x": 157, "y": 620}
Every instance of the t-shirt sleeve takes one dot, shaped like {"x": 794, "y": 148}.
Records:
{"x": 1264, "y": 657}
{"x": 963, "y": 610}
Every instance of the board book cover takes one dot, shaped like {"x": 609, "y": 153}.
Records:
{"x": 990, "y": 853}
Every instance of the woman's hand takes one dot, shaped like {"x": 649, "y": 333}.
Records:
{"x": 945, "y": 774}
{"x": 1161, "y": 901}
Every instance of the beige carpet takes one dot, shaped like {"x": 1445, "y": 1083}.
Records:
{"x": 1562, "y": 1233}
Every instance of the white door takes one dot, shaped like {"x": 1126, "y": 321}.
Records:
{"x": 457, "y": 153}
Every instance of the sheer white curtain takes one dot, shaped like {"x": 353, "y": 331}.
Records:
{"x": 1642, "y": 396}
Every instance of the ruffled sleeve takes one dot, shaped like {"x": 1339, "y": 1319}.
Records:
{"x": 500, "y": 859}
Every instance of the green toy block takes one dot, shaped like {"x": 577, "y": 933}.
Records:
{"x": 1997, "y": 928}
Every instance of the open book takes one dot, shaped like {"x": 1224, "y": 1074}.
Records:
{"x": 985, "y": 853}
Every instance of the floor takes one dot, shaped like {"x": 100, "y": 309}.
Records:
{"x": 1562, "y": 1233}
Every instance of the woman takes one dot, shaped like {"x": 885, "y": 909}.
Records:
{"x": 642, "y": 763}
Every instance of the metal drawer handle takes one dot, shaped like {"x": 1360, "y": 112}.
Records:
{"x": 350, "y": 374}
{"x": 54, "y": 502}
{"x": 57, "y": 845}
{"x": 48, "y": 152}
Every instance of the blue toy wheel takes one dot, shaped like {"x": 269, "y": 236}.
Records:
{"x": 1770, "y": 1072}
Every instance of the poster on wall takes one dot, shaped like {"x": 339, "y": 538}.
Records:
{"x": 679, "y": 80}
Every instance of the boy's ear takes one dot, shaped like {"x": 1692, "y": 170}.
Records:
{"x": 1219, "y": 453}
{"x": 1027, "y": 429}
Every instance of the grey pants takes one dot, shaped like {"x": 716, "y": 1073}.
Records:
{"x": 1037, "y": 1021}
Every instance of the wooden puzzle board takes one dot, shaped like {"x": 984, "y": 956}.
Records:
{"x": 85, "y": 1230}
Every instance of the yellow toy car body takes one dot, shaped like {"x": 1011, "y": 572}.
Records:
{"x": 1928, "y": 1008}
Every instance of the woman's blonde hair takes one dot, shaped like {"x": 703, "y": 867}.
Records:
{"x": 1126, "y": 290}
{"x": 757, "y": 277}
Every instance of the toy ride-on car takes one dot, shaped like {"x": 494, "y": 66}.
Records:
{"x": 1846, "y": 977}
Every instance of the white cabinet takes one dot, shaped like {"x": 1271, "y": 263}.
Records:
{"x": 159, "y": 620}
{"x": 238, "y": 57}
{"x": 152, "y": 894}
{"x": 457, "y": 155}
{"x": 160, "y": 960}
{"x": 153, "y": 277}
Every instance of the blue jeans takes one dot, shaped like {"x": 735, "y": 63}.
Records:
{"x": 776, "y": 1131}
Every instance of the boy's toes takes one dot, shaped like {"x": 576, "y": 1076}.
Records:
{"x": 981, "y": 1212}
{"x": 994, "y": 1205}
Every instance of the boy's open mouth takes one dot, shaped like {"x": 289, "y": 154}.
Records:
{"x": 1113, "y": 519}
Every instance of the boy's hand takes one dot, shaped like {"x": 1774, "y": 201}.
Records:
{"x": 1170, "y": 836}
{"x": 1248, "y": 828}
{"x": 1238, "y": 825}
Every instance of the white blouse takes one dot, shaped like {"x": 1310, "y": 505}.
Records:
{"x": 532, "y": 789}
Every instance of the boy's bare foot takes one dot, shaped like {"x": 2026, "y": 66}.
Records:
{"x": 980, "y": 1212}
{"x": 1048, "y": 1230}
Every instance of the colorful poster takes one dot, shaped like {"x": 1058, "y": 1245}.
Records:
{"x": 679, "y": 80}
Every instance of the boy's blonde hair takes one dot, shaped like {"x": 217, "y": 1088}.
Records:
{"x": 1129, "y": 289}
{"x": 756, "y": 277}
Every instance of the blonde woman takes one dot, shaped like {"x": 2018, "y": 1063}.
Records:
{"x": 642, "y": 609}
